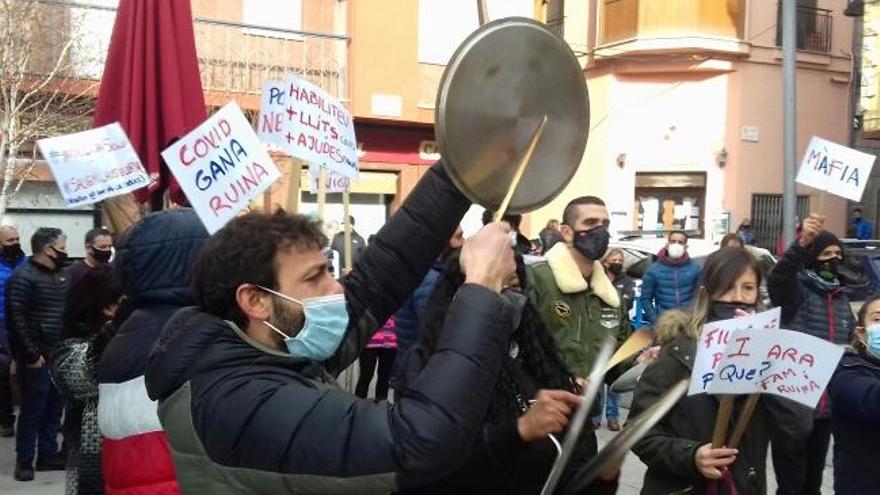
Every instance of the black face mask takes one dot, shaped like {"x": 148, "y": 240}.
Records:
{"x": 828, "y": 269}
{"x": 60, "y": 258}
{"x": 727, "y": 310}
{"x": 615, "y": 268}
{"x": 592, "y": 243}
{"x": 102, "y": 255}
{"x": 13, "y": 252}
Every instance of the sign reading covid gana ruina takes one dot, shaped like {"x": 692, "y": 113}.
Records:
{"x": 221, "y": 166}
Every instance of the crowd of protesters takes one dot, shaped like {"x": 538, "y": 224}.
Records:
{"x": 171, "y": 361}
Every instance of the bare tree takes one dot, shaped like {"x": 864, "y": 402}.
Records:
{"x": 40, "y": 93}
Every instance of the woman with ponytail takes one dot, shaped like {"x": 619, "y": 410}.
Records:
{"x": 678, "y": 450}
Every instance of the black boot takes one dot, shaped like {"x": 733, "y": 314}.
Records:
{"x": 24, "y": 471}
{"x": 54, "y": 462}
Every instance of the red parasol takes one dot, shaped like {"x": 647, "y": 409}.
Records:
{"x": 151, "y": 84}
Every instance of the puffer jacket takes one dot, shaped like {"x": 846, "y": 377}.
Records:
{"x": 668, "y": 285}
{"x": 669, "y": 447}
{"x": 7, "y": 267}
{"x": 154, "y": 260}
{"x": 855, "y": 390}
{"x": 809, "y": 305}
{"x": 287, "y": 427}
{"x": 35, "y": 298}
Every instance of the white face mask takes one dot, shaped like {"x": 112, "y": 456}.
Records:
{"x": 675, "y": 251}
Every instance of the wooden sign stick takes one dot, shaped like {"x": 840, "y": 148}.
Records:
{"x": 742, "y": 422}
{"x": 482, "y": 12}
{"x": 346, "y": 202}
{"x": 722, "y": 419}
{"x": 322, "y": 192}
{"x": 520, "y": 170}
{"x": 635, "y": 343}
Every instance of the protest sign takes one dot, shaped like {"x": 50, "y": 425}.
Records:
{"x": 842, "y": 171}
{"x": 93, "y": 165}
{"x": 712, "y": 347}
{"x": 313, "y": 125}
{"x": 335, "y": 182}
{"x": 782, "y": 362}
{"x": 221, "y": 166}
{"x": 272, "y": 115}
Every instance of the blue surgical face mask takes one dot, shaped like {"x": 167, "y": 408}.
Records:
{"x": 326, "y": 320}
{"x": 872, "y": 340}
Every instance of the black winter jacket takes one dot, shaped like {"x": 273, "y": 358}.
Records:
{"x": 855, "y": 390}
{"x": 806, "y": 305}
{"x": 285, "y": 425}
{"x": 669, "y": 448}
{"x": 35, "y": 297}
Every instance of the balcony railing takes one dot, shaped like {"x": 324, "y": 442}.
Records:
{"x": 234, "y": 57}
{"x": 813, "y": 26}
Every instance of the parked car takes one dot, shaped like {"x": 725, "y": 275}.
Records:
{"x": 638, "y": 254}
{"x": 860, "y": 271}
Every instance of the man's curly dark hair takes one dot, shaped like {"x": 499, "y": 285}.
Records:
{"x": 244, "y": 251}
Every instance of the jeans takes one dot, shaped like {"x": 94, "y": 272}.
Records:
{"x": 367, "y": 360}
{"x": 612, "y": 402}
{"x": 39, "y": 419}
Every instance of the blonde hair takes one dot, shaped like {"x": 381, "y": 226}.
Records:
{"x": 611, "y": 252}
{"x": 672, "y": 324}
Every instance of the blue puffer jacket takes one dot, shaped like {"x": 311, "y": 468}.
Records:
{"x": 668, "y": 285}
{"x": 6, "y": 269}
{"x": 855, "y": 391}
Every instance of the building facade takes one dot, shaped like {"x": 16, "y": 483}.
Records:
{"x": 686, "y": 110}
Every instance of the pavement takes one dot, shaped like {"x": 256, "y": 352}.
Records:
{"x": 632, "y": 473}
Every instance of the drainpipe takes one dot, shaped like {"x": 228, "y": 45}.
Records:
{"x": 789, "y": 123}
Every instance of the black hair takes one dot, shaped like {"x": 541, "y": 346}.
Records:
{"x": 87, "y": 298}
{"x": 95, "y": 233}
{"x": 245, "y": 252}
{"x": 569, "y": 216}
{"x": 351, "y": 220}
{"x": 537, "y": 350}
{"x": 44, "y": 236}
{"x": 678, "y": 232}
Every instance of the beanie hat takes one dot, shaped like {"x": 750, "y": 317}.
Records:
{"x": 820, "y": 243}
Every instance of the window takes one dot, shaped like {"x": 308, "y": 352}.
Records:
{"x": 812, "y": 26}
{"x": 444, "y": 24}
{"x": 767, "y": 217}
{"x": 280, "y": 15}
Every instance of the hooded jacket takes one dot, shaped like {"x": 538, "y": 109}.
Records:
{"x": 668, "y": 284}
{"x": 154, "y": 260}
{"x": 244, "y": 418}
{"x": 855, "y": 390}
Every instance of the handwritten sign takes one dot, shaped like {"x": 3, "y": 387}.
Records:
{"x": 782, "y": 362}
{"x": 715, "y": 338}
{"x": 309, "y": 124}
{"x": 221, "y": 166}
{"x": 830, "y": 167}
{"x": 93, "y": 165}
{"x": 334, "y": 182}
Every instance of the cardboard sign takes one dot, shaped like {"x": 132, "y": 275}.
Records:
{"x": 221, "y": 166}
{"x": 272, "y": 117}
{"x": 309, "y": 124}
{"x": 712, "y": 348}
{"x": 783, "y": 362}
{"x": 836, "y": 169}
{"x": 93, "y": 165}
{"x": 336, "y": 183}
